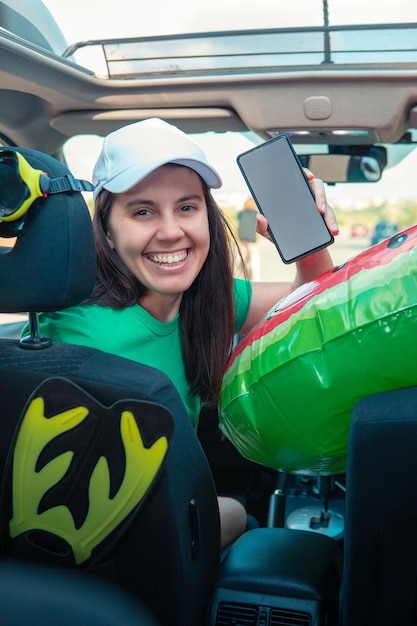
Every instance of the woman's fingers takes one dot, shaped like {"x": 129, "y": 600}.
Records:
{"x": 319, "y": 191}
{"x": 262, "y": 226}
{"x": 330, "y": 219}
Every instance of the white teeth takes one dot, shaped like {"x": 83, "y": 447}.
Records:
{"x": 168, "y": 258}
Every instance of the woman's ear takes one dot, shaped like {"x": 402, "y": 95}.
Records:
{"x": 109, "y": 240}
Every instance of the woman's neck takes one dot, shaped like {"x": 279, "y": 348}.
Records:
{"x": 161, "y": 306}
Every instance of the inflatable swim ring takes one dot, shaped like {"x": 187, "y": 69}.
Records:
{"x": 291, "y": 384}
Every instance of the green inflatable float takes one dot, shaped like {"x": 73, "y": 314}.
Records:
{"x": 291, "y": 384}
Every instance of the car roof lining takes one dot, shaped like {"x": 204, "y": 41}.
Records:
{"x": 67, "y": 100}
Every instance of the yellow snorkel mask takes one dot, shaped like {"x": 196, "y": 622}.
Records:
{"x": 21, "y": 185}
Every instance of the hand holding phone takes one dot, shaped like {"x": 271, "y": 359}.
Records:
{"x": 282, "y": 193}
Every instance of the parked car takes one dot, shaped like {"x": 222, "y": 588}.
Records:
{"x": 346, "y": 95}
{"x": 358, "y": 230}
{"x": 382, "y": 230}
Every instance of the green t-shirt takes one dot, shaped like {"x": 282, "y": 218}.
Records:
{"x": 134, "y": 334}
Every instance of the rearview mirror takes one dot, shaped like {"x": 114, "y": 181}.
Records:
{"x": 347, "y": 168}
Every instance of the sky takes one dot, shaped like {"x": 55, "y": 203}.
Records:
{"x": 90, "y": 19}
{"x": 82, "y": 20}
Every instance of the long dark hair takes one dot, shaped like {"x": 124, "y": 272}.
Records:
{"x": 207, "y": 307}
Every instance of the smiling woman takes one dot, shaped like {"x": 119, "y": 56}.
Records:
{"x": 165, "y": 294}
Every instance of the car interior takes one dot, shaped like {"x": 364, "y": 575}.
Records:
{"x": 332, "y": 548}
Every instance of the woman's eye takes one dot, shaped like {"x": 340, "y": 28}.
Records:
{"x": 142, "y": 212}
{"x": 187, "y": 207}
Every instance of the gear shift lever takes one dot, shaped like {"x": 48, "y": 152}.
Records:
{"x": 318, "y": 517}
{"x": 324, "y": 488}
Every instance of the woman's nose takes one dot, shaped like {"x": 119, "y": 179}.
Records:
{"x": 169, "y": 228}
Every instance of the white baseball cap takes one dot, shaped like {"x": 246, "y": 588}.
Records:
{"x": 132, "y": 152}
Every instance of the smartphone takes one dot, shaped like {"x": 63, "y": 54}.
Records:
{"x": 282, "y": 193}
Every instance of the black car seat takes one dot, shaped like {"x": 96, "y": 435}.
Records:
{"x": 67, "y": 417}
{"x": 380, "y": 564}
{"x": 41, "y": 596}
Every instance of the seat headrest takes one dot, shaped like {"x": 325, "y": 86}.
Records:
{"x": 52, "y": 264}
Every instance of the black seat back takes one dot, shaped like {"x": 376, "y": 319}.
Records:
{"x": 380, "y": 564}
{"x": 40, "y": 596}
{"x": 52, "y": 265}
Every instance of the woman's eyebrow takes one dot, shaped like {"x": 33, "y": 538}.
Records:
{"x": 137, "y": 201}
{"x": 144, "y": 201}
{"x": 191, "y": 196}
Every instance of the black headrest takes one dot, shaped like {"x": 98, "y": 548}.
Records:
{"x": 52, "y": 264}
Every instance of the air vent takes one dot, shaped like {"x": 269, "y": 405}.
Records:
{"x": 236, "y": 614}
{"x": 229, "y": 614}
{"x": 280, "y": 617}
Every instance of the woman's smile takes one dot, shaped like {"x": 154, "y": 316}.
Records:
{"x": 169, "y": 259}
